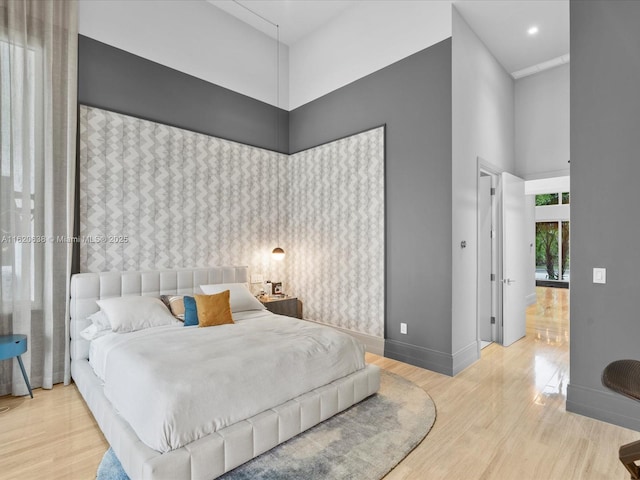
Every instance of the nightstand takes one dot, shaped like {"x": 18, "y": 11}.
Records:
{"x": 288, "y": 306}
{"x": 14, "y": 346}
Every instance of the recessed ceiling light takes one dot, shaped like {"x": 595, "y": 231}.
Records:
{"x": 532, "y": 30}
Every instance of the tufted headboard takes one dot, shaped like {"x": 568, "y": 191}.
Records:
{"x": 86, "y": 288}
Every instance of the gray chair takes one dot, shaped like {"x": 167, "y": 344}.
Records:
{"x": 623, "y": 377}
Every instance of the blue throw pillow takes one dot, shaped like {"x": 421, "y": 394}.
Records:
{"x": 190, "y": 311}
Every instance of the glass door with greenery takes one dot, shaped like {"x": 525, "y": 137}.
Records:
{"x": 552, "y": 242}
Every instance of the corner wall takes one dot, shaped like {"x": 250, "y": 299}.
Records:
{"x": 605, "y": 114}
{"x": 413, "y": 98}
{"x": 175, "y": 199}
{"x": 483, "y": 126}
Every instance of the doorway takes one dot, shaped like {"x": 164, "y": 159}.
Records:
{"x": 487, "y": 301}
{"x": 502, "y": 256}
{"x": 489, "y": 295}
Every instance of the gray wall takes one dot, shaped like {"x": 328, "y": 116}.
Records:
{"x": 605, "y": 169}
{"x": 413, "y": 98}
{"x": 119, "y": 81}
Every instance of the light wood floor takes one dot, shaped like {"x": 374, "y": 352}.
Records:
{"x": 502, "y": 418}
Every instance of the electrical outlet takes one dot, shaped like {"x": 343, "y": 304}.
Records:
{"x": 403, "y": 328}
{"x": 257, "y": 278}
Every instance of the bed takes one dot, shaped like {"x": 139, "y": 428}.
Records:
{"x": 237, "y": 439}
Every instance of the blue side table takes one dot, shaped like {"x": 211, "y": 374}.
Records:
{"x": 14, "y": 346}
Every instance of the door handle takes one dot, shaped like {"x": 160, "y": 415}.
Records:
{"x": 507, "y": 281}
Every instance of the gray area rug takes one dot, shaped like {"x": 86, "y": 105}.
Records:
{"x": 364, "y": 442}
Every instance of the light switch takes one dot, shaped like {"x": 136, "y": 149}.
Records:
{"x": 403, "y": 328}
{"x": 257, "y": 278}
{"x": 599, "y": 275}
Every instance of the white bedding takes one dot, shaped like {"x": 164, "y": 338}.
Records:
{"x": 176, "y": 384}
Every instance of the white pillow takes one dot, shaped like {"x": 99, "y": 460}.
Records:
{"x": 240, "y": 297}
{"x": 100, "y": 320}
{"x": 128, "y": 314}
{"x": 92, "y": 332}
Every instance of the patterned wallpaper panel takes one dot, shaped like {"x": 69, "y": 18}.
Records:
{"x": 155, "y": 197}
{"x": 336, "y": 232}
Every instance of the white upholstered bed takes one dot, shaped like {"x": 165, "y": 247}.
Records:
{"x": 216, "y": 452}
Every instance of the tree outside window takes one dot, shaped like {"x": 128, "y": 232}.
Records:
{"x": 547, "y": 248}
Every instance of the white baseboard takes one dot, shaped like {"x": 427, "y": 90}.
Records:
{"x": 531, "y": 299}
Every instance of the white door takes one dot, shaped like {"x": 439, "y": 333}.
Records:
{"x": 514, "y": 259}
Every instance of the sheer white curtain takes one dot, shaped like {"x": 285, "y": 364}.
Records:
{"x": 38, "y": 108}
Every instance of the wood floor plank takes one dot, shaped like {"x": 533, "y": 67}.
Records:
{"x": 502, "y": 418}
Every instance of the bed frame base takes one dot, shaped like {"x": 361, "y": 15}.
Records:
{"x": 219, "y": 452}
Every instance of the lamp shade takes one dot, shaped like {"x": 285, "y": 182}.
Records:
{"x": 277, "y": 253}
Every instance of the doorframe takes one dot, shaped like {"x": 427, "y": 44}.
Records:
{"x": 483, "y": 166}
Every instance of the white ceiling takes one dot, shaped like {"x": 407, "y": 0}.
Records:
{"x": 501, "y": 24}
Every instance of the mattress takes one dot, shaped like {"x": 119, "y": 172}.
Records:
{"x": 176, "y": 384}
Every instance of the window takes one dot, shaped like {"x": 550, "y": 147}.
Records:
{"x": 547, "y": 250}
{"x": 546, "y": 199}
{"x": 20, "y": 151}
{"x": 552, "y": 251}
{"x": 552, "y": 236}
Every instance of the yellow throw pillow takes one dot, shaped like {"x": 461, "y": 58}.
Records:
{"x": 213, "y": 309}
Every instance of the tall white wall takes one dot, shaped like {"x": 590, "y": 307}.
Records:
{"x": 542, "y": 124}
{"x": 363, "y": 39}
{"x": 483, "y": 126}
{"x": 194, "y": 37}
